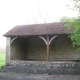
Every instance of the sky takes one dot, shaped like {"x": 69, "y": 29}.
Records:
{"x": 23, "y": 12}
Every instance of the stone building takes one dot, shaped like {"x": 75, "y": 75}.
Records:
{"x": 40, "y": 42}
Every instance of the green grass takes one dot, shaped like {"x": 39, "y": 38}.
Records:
{"x": 2, "y": 59}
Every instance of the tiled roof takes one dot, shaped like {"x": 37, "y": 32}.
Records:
{"x": 38, "y": 29}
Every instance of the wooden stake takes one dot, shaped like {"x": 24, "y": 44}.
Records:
{"x": 47, "y": 48}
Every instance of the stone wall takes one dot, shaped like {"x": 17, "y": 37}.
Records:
{"x": 61, "y": 48}
{"x": 44, "y": 64}
{"x": 36, "y": 48}
{"x": 19, "y": 49}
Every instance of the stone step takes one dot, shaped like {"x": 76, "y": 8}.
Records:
{"x": 20, "y": 76}
{"x": 25, "y": 76}
{"x": 36, "y": 70}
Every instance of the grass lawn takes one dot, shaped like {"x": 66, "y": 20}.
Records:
{"x": 2, "y": 59}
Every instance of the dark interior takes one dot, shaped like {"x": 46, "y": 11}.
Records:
{"x": 34, "y": 48}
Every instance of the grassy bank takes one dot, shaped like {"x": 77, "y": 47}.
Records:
{"x": 2, "y": 59}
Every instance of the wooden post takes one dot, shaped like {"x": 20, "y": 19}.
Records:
{"x": 47, "y": 48}
{"x": 47, "y": 42}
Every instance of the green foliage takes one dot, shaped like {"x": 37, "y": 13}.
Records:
{"x": 2, "y": 59}
{"x": 74, "y": 23}
{"x": 65, "y": 19}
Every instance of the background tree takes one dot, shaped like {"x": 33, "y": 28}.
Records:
{"x": 75, "y": 23}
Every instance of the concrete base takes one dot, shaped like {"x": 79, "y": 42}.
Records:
{"x": 24, "y": 76}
